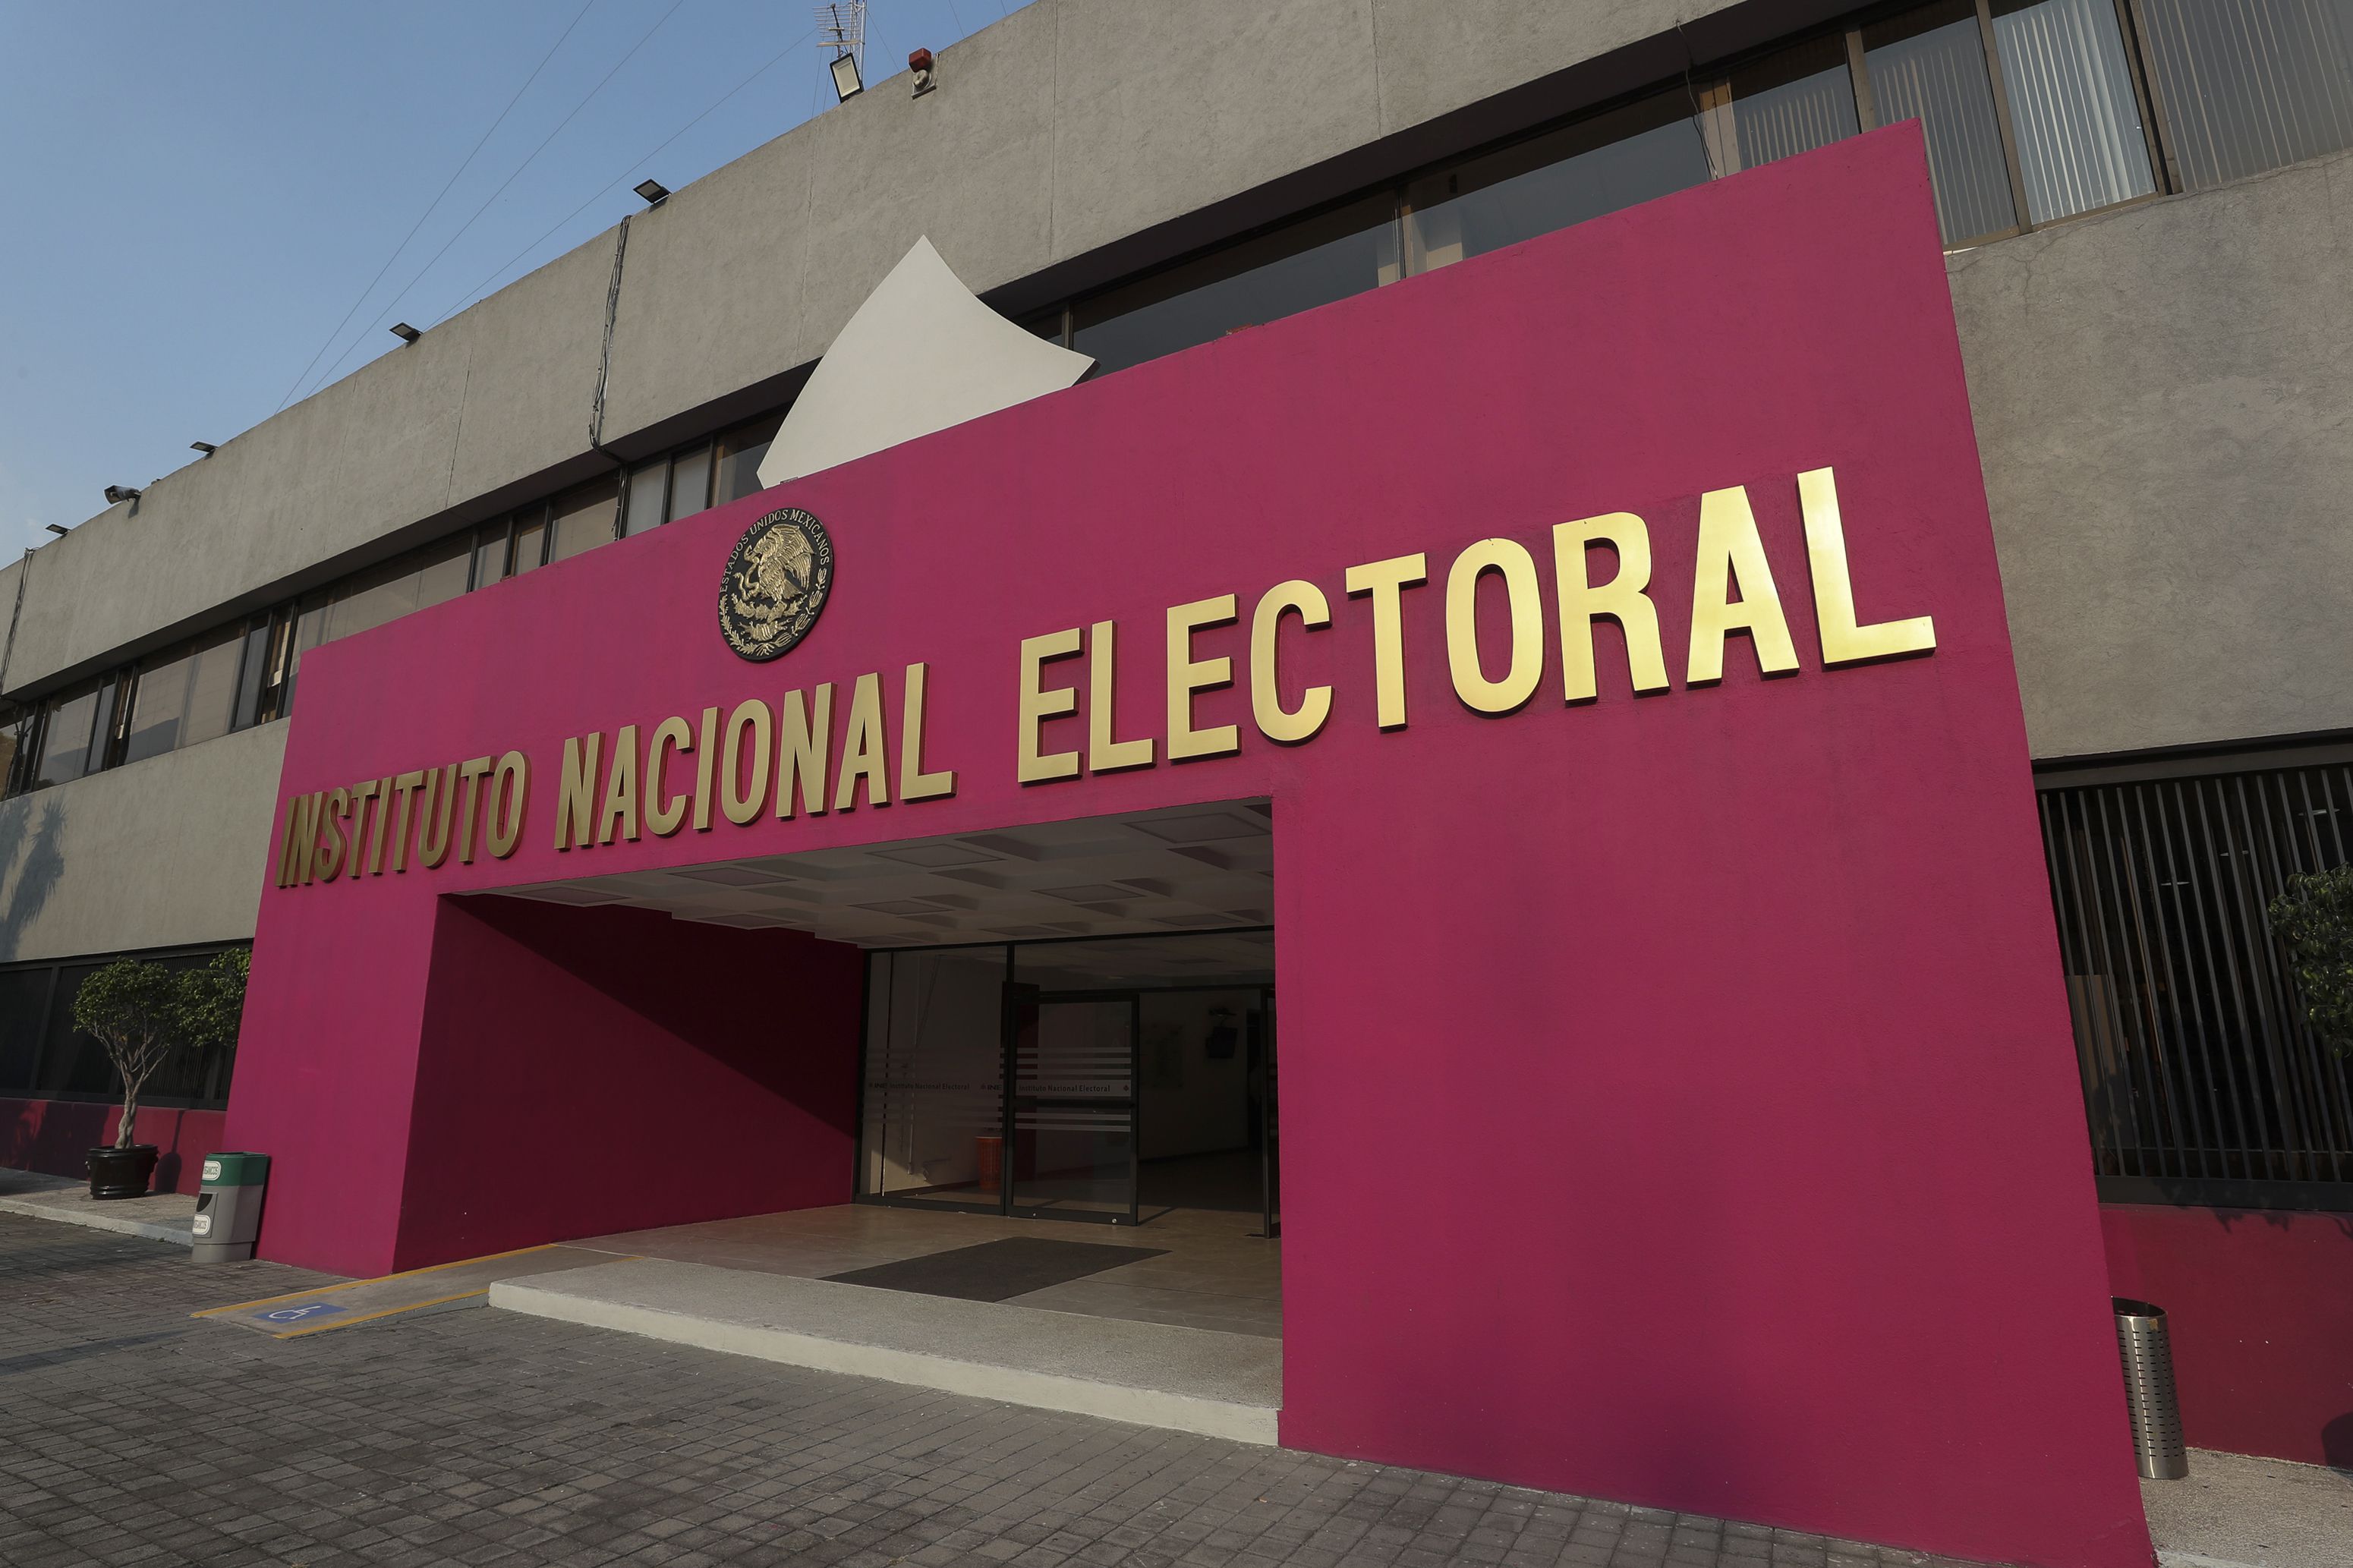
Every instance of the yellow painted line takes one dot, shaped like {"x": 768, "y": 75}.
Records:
{"x": 404, "y": 1274}
{"x": 386, "y": 1312}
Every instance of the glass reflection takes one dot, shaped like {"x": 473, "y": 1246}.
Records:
{"x": 1281, "y": 274}
{"x": 2072, "y": 108}
{"x": 1929, "y": 65}
{"x": 1600, "y": 165}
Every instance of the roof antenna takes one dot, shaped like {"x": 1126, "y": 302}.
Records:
{"x": 841, "y": 27}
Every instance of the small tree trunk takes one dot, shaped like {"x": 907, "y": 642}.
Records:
{"x": 127, "y": 1134}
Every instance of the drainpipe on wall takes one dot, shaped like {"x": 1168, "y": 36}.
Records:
{"x": 605, "y": 370}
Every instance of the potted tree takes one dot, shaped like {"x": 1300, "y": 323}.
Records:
{"x": 2314, "y": 921}
{"x": 132, "y": 1009}
{"x": 141, "y": 1012}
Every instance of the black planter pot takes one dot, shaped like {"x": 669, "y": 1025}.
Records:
{"x": 122, "y": 1173}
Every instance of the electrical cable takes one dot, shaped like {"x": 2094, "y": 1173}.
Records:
{"x": 509, "y": 180}
{"x": 433, "y": 205}
{"x": 603, "y": 190}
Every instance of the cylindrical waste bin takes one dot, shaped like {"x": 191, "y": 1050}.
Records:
{"x": 2148, "y": 1390}
{"x": 228, "y": 1207}
{"x": 988, "y": 1160}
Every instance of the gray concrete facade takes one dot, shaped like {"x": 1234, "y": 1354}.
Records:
{"x": 167, "y": 852}
{"x": 2161, "y": 392}
{"x": 2164, "y": 404}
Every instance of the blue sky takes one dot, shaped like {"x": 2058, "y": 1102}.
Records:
{"x": 199, "y": 194}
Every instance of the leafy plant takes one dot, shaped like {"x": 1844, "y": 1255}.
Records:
{"x": 142, "y": 1012}
{"x": 2314, "y": 921}
{"x": 133, "y": 1008}
{"x": 212, "y": 1000}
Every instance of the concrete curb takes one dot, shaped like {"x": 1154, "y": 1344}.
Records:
{"x": 178, "y": 1234}
{"x": 1044, "y": 1391}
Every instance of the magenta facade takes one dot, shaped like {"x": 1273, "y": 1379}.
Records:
{"x": 1724, "y": 1022}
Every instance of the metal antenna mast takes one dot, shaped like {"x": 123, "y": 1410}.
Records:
{"x": 841, "y": 27}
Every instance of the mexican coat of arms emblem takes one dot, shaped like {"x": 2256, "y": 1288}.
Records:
{"x": 775, "y": 584}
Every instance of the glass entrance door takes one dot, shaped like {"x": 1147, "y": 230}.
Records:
{"x": 1071, "y": 1112}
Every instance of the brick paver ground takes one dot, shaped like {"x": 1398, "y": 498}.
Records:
{"x": 130, "y": 1435}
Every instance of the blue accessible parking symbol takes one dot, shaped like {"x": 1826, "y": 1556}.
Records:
{"x": 300, "y": 1314}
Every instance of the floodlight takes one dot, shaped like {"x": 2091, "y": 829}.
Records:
{"x": 404, "y": 333}
{"x": 206, "y": 447}
{"x": 654, "y": 191}
{"x": 59, "y": 529}
{"x": 847, "y": 83}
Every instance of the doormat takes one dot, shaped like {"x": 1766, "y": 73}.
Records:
{"x": 996, "y": 1271}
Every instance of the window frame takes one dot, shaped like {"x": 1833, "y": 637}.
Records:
{"x": 216, "y": 1084}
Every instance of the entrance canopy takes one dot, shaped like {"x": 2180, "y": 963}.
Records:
{"x": 1195, "y": 867}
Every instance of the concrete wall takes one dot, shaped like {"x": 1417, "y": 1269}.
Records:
{"x": 498, "y": 394}
{"x": 2159, "y": 393}
{"x": 1067, "y": 127}
{"x": 2162, "y": 401}
{"x": 165, "y": 851}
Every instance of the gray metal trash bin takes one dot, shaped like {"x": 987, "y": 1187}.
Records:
{"x": 228, "y": 1207}
{"x": 2148, "y": 1390}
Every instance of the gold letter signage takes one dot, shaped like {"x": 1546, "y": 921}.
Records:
{"x": 758, "y": 761}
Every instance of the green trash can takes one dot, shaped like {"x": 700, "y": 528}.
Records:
{"x": 228, "y": 1206}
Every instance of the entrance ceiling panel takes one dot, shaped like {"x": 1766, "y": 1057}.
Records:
{"x": 1195, "y": 867}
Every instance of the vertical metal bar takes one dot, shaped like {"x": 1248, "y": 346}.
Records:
{"x": 2099, "y": 1093}
{"x": 2186, "y": 1153}
{"x": 2303, "y": 1096}
{"x": 2193, "y": 827}
{"x": 1135, "y": 1108}
{"x": 1006, "y": 1068}
{"x": 865, "y": 1057}
{"x": 2133, "y": 986}
{"x": 2259, "y": 1051}
{"x": 2135, "y": 977}
{"x": 2331, "y": 1127}
{"x": 2001, "y": 116}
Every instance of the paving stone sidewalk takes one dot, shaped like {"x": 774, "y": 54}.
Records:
{"x": 130, "y": 1435}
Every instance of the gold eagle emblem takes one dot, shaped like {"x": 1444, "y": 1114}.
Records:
{"x": 776, "y": 582}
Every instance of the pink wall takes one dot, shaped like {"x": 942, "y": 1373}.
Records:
{"x": 2259, "y": 1308}
{"x": 592, "y": 1070}
{"x": 53, "y": 1136}
{"x": 1725, "y": 1024}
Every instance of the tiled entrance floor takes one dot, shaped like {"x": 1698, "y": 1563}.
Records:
{"x": 1214, "y": 1274}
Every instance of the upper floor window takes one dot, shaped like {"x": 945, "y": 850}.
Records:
{"x": 698, "y": 478}
{"x": 1596, "y": 166}
{"x": 1313, "y": 262}
{"x": 2250, "y": 85}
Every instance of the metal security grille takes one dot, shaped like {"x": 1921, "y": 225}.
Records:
{"x": 2200, "y": 1079}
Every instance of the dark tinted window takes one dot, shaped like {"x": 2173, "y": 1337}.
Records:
{"x": 23, "y": 994}
{"x": 1280, "y": 274}
{"x": 1598, "y": 165}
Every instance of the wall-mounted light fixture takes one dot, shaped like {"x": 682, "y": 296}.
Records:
{"x": 404, "y": 333}
{"x": 847, "y": 83}
{"x": 206, "y": 447}
{"x": 59, "y": 529}
{"x": 654, "y": 192}
{"x": 117, "y": 494}
{"x": 926, "y": 77}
